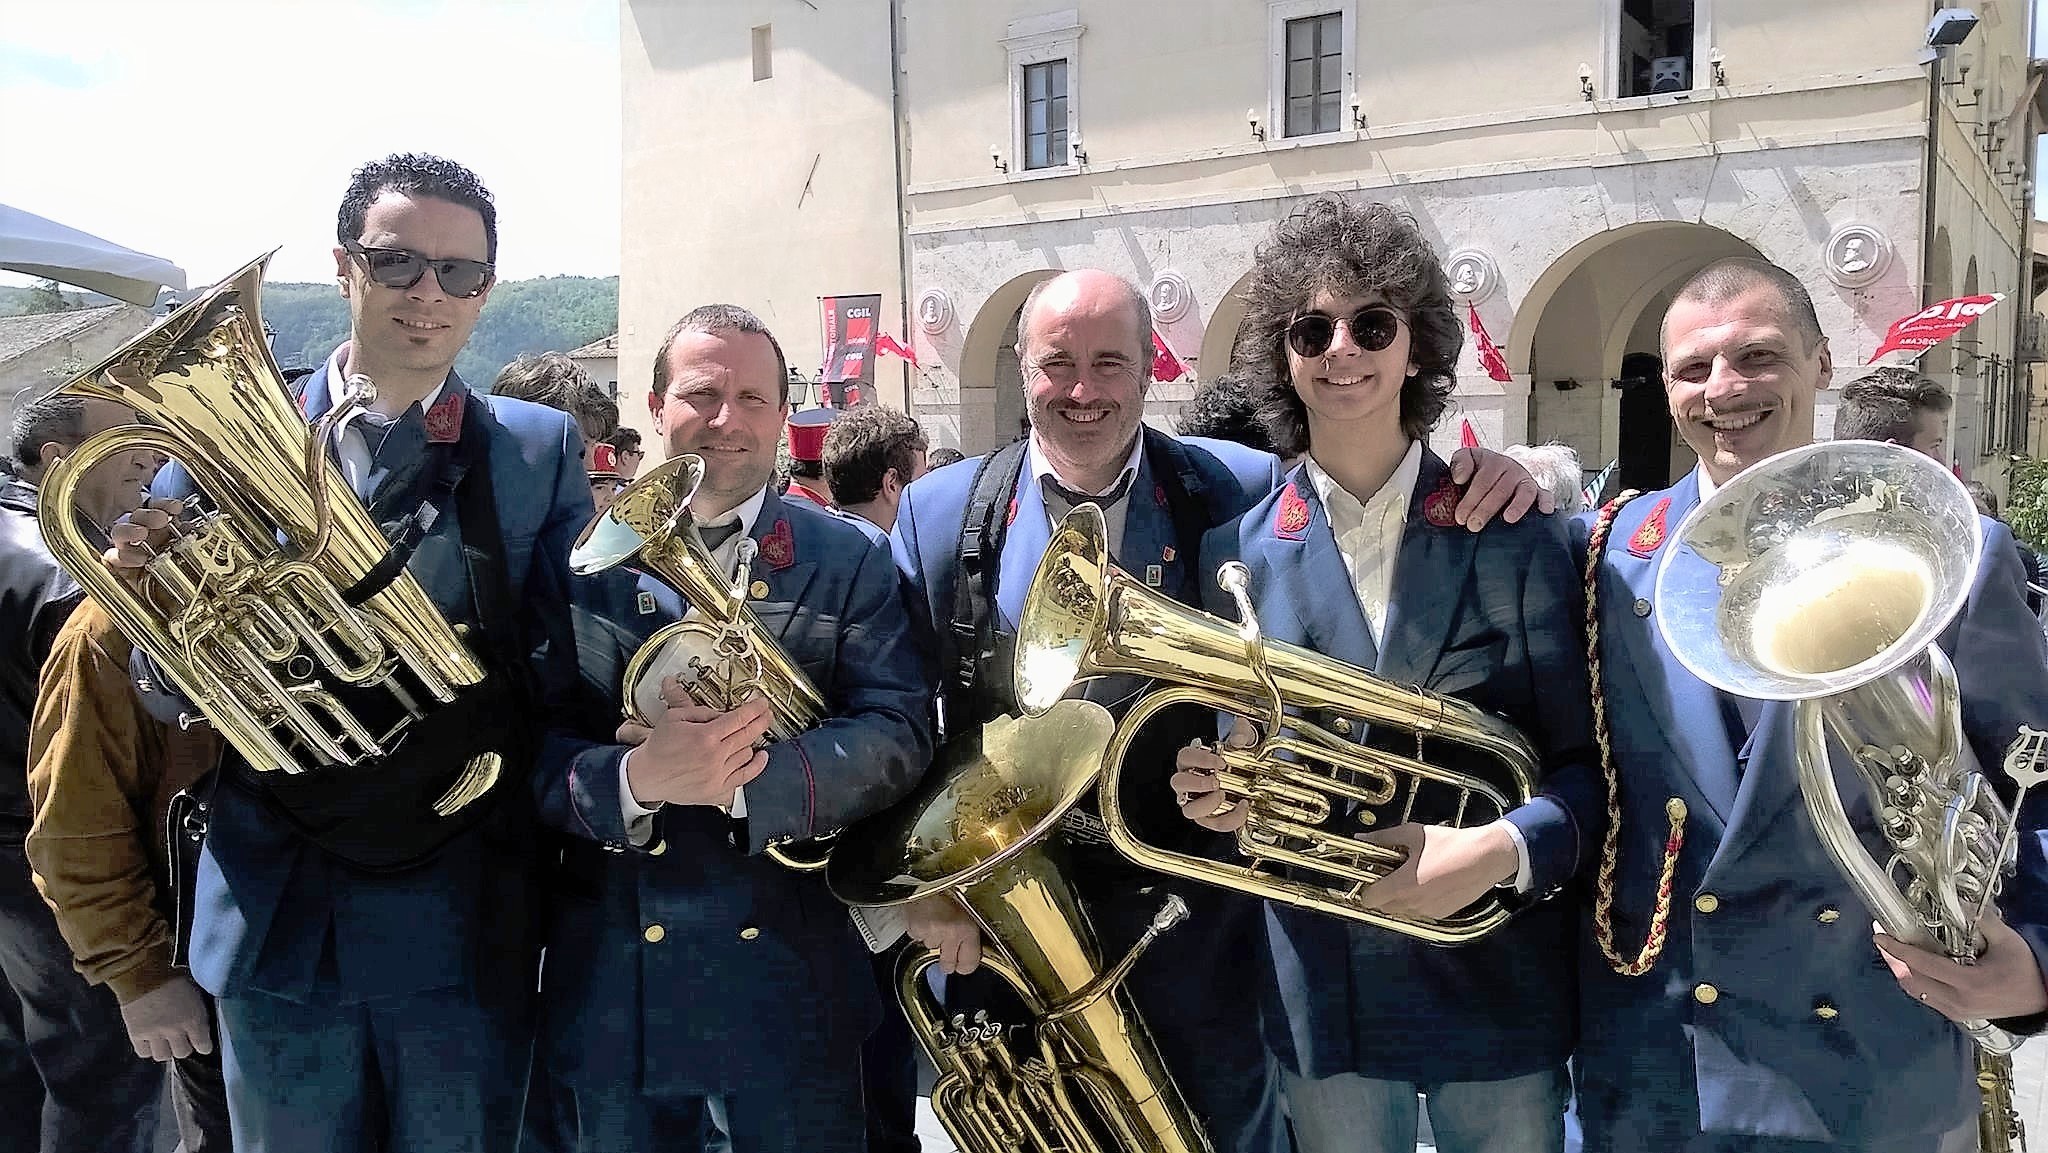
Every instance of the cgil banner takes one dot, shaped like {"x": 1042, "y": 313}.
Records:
{"x": 849, "y": 369}
{"x": 1930, "y": 326}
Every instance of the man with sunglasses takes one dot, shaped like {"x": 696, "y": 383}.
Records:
{"x": 970, "y": 536}
{"x": 1352, "y": 342}
{"x": 385, "y": 1004}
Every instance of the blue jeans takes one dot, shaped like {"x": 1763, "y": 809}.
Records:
{"x": 69, "y": 1079}
{"x": 1353, "y": 1114}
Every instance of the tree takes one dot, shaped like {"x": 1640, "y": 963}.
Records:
{"x": 44, "y": 297}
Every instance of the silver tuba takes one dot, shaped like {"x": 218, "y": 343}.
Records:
{"x": 1840, "y": 563}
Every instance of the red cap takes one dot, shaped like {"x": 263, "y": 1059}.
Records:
{"x": 604, "y": 462}
{"x": 807, "y": 433}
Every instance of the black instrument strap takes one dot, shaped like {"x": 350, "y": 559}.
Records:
{"x": 440, "y": 474}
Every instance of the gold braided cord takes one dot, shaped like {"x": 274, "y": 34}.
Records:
{"x": 1674, "y": 809}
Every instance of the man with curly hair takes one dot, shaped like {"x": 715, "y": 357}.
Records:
{"x": 1351, "y": 344}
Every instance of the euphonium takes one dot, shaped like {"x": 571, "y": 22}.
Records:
{"x": 1083, "y": 617}
{"x": 1084, "y": 1077}
{"x": 1840, "y": 564}
{"x": 720, "y": 654}
{"x": 249, "y": 610}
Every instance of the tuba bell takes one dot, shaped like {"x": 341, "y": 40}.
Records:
{"x": 720, "y": 654}
{"x": 1840, "y": 564}
{"x": 1084, "y": 1077}
{"x": 1083, "y": 617}
{"x": 251, "y": 610}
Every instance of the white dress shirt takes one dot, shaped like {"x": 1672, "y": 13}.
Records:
{"x": 1368, "y": 536}
{"x": 639, "y": 817}
{"x": 1113, "y": 517}
{"x": 351, "y": 446}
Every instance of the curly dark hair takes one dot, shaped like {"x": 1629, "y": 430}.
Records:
{"x": 1347, "y": 248}
{"x": 1225, "y": 409}
{"x": 415, "y": 174}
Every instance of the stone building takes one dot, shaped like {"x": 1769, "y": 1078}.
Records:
{"x": 1572, "y": 159}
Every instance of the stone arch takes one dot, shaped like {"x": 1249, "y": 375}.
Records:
{"x": 991, "y": 385}
{"x": 1219, "y": 337}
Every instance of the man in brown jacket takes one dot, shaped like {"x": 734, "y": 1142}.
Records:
{"x": 102, "y": 772}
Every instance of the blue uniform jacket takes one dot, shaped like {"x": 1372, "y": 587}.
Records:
{"x": 755, "y": 972}
{"x": 1493, "y": 619}
{"x": 267, "y": 900}
{"x": 1180, "y": 984}
{"x": 1770, "y": 1013}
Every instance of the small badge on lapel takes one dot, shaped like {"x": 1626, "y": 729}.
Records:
{"x": 778, "y": 548}
{"x": 1167, "y": 554}
{"x": 645, "y": 603}
{"x": 1159, "y": 495}
{"x": 1154, "y": 575}
{"x": 1649, "y": 535}
{"x": 1440, "y": 507}
{"x": 1012, "y": 517}
{"x": 1291, "y": 518}
{"x": 444, "y": 420}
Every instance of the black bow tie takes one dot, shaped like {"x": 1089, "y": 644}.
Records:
{"x": 1105, "y": 502}
{"x": 714, "y": 535}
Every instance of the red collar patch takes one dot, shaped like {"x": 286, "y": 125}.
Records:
{"x": 1159, "y": 495}
{"x": 1440, "y": 507}
{"x": 1650, "y": 534}
{"x": 778, "y": 548}
{"x": 1290, "y": 520}
{"x": 444, "y": 420}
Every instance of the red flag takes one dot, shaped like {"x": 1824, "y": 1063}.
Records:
{"x": 1930, "y": 326}
{"x": 1165, "y": 365}
{"x": 1490, "y": 359}
{"x": 1466, "y": 437}
{"x": 886, "y": 343}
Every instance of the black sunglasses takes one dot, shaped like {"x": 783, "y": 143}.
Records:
{"x": 1373, "y": 327}
{"x": 398, "y": 268}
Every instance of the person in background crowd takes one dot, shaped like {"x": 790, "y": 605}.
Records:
{"x": 102, "y": 773}
{"x": 553, "y": 380}
{"x": 1556, "y": 467}
{"x": 1223, "y": 408}
{"x": 605, "y": 481}
{"x": 69, "y": 1079}
{"x": 870, "y": 455}
{"x": 1899, "y": 405}
{"x": 1727, "y": 968}
{"x": 1987, "y": 505}
{"x": 807, "y": 455}
{"x": 629, "y": 453}
{"x": 939, "y": 458}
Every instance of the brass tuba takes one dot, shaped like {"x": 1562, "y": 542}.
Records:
{"x": 1083, "y": 617}
{"x": 1840, "y": 564}
{"x": 1088, "y": 1078}
{"x": 247, "y": 611}
{"x": 721, "y": 654}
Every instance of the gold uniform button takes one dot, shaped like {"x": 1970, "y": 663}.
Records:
{"x": 1705, "y": 994}
{"x": 1641, "y": 607}
{"x": 1706, "y": 902}
{"x": 759, "y": 589}
{"x": 654, "y": 934}
{"x": 749, "y": 933}
{"x": 1341, "y": 726}
{"x": 1825, "y": 1010}
{"x": 1828, "y": 915}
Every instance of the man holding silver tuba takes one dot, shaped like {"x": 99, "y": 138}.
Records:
{"x": 1352, "y": 343}
{"x": 371, "y": 948}
{"x": 1732, "y": 995}
{"x": 686, "y": 969}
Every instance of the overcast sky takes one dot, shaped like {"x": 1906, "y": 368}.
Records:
{"x": 210, "y": 131}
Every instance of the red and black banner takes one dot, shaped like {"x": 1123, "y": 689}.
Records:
{"x": 850, "y": 327}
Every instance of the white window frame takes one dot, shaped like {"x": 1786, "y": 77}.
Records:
{"x": 1610, "y": 51}
{"x": 1278, "y": 13}
{"x": 1041, "y": 40}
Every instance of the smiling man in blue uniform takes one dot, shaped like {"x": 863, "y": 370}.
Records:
{"x": 686, "y": 969}
{"x": 1732, "y": 995}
